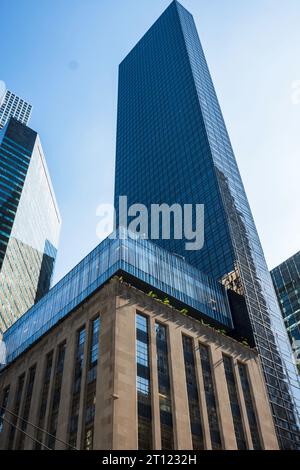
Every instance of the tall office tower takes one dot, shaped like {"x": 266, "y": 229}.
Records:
{"x": 29, "y": 222}
{"x": 173, "y": 147}
{"x": 286, "y": 280}
{"x": 13, "y": 105}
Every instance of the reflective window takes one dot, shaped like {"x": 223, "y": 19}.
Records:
{"x": 164, "y": 388}
{"x": 210, "y": 398}
{"x": 234, "y": 404}
{"x": 192, "y": 393}
{"x": 90, "y": 402}
{"x": 286, "y": 279}
{"x": 44, "y": 400}
{"x": 143, "y": 384}
{"x": 5, "y": 396}
{"x": 75, "y": 402}
{"x": 249, "y": 406}
{"x": 16, "y": 410}
{"x": 56, "y": 395}
{"x": 26, "y": 408}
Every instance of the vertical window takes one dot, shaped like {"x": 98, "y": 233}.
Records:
{"x": 58, "y": 375}
{"x": 143, "y": 384}
{"x": 210, "y": 398}
{"x": 16, "y": 410}
{"x": 192, "y": 393}
{"x": 249, "y": 407}
{"x": 234, "y": 404}
{"x": 75, "y": 402}
{"x": 26, "y": 409}
{"x": 44, "y": 399}
{"x": 3, "y": 406}
{"x": 164, "y": 388}
{"x": 91, "y": 386}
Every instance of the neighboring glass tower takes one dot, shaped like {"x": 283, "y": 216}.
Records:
{"x": 173, "y": 147}
{"x": 286, "y": 279}
{"x": 29, "y": 222}
{"x": 13, "y": 105}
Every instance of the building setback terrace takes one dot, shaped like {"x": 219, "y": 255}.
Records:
{"x": 140, "y": 259}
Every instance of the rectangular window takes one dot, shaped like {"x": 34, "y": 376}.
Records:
{"x": 75, "y": 403}
{"x": 192, "y": 393}
{"x": 234, "y": 404}
{"x": 90, "y": 402}
{"x": 26, "y": 409}
{"x": 210, "y": 398}
{"x": 143, "y": 384}
{"x": 44, "y": 400}
{"x": 58, "y": 375}
{"x": 16, "y": 410}
{"x": 164, "y": 388}
{"x": 249, "y": 406}
{"x": 3, "y": 406}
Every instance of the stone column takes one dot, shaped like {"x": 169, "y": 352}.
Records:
{"x": 103, "y": 423}
{"x": 263, "y": 410}
{"x": 124, "y": 389}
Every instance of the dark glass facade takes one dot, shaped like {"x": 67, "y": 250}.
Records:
{"x": 286, "y": 280}
{"x": 29, "y": 222}
{"x": 90, "y": 400}
{"x": 164, "y": 388}
{"x": 44, "y": 400}
{"x": 26, "y": 409}
{"x": 173, "y": 147}
{"x": 234, "y": 404}
{"x": 210, "y": 398}
{"x": 192, "y": 393}
{"x": 143, "y": 384}
{"x": 79, "y": 357}
{"x": 5, "y": 396}
{"x": 16, "y": 410}
{"x": 251, "y": 413}
{"x": 56, "y": 395}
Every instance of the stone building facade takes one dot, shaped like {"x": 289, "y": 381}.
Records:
{"x": 127, "y": 371}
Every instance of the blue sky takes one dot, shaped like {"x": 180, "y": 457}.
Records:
{"x": 63, "y": 56}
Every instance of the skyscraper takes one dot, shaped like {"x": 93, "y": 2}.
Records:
{"x": 173, "y": 147}
{"x": 286, "y": 279}
{"x": 13, "y": 105}
{"x": 29, "y": 222}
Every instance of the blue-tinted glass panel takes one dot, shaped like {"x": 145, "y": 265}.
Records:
{"x": 234, "y": 404}
{"x": 210, "y": 398}
{"x": 250, "y": 407}
{"x": 164, "y": 388}
{"x": 143, "y": 384}
{"x": 192, "y": 393}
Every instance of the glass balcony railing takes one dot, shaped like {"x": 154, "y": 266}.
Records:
{"x": 142, "y": 259}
